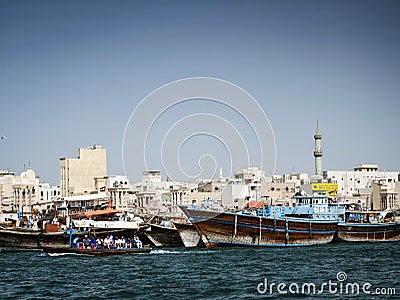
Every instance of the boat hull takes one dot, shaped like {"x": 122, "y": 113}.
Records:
{"x": 223, "y": 229}
{"x": 30, "y": 239}
{"x": 93, "y": 252}
{"x": 189, "y": 235}
{"x": 13, "y": 238}
{"x": 161, "y": 236}
{"x": 373, "y": 232}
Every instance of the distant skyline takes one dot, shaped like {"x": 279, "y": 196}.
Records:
{"x": 73, "y": 72}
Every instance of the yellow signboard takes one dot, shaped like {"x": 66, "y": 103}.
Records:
{"x": 331, "y": 189}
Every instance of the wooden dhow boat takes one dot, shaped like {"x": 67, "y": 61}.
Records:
{"x": 369, "y": 226}
{"x": 279, "y": 226}
{"x": 30, "y": 239}
{"x": 163, "y": 235}
{"x": 189, "y": 235}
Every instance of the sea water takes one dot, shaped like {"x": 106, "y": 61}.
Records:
{"x": 327, "y": 271}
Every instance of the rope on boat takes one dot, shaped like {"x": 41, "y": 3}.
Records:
{"x": 287, "y": 231}
{"x": 234, "y": 233}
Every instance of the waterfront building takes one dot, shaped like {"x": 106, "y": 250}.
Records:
{"x": 250, "y": 175}
{"x": 280, "y": 189}
{"x": 384, "y": 195}
{"x": 147, "y": 199}
{"x": 280, "y": 192}
{"x": 48, "y": 192}
{"x": 77, "y": 175}
{"x": 46, "y": 196}
{"x": 204, "y": 190}
{"x": 151, "y": 193}
{"x": 236, "y": 195}
{"x": 350, "y": 183}
{"x": 362, "y": 196}
{"x": 6, "y": 190}
{"x": 245, "y": 185}
{"x": 19, "y": 192}
{"x": 119, "y": 189}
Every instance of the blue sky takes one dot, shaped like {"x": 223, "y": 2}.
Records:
{"x": 71, "y": 73}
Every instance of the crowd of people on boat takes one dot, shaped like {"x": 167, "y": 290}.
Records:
{"x": 108, "y": 243}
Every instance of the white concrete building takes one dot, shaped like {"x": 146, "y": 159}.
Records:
{"x": 236, "y": 195}
{"x": 119, "y": 189}
{"x": 19, "y": 192}
{"x": 250, "y": 175}
{"x": 362, "y": 176}
{"x": 6, "y": 190}
{"x": 47, "y": 192}
{"x": 47, "y": 195}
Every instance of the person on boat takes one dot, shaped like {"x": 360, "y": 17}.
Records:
{"x": 86, "y": 242}
{"x": 107, "y": 243}
{"x": 122, "y": 242}
{"x": 128, "y": 242}
{"x": 100, "y": 243}
{"x": 117, "y": 242}
{"x": 80, "y": 243}
{"x": 138, "y": 242}
{"x": 111, "y": 238}
{"x": 93, "y": 243}
{"x": 75, "y": 242}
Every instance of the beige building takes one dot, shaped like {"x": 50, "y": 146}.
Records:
{"x": 280, "y": 191}
{"x": 77, "y": 175}
{"x": 384, "y": 195}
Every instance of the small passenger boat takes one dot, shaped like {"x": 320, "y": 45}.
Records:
{"x": 51, "y": 251}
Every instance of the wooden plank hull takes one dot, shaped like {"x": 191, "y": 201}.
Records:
{"x": 373, "y": 232}
{"x": 93, "y": 252}
{"x": 223, "y": 229}
{"x": 12, "y": 238}
{"x": 189, "y": 235}
{"x": 161, "y": 236}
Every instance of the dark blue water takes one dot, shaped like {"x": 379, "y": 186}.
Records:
{"x": 200, "y": 273}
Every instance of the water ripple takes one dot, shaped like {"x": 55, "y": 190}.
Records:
{"x": 195, "y": 273}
